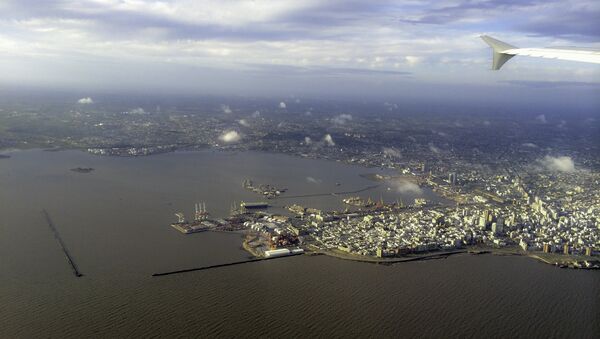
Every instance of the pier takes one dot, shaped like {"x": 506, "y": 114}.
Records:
{"x": 62, "y": 245}
{"x": 330, "y": 193}
{"x": 223, "y": 265}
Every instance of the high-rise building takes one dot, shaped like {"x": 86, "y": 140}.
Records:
{"x": 497, "y": 228}
{"x": 482, "y": 222}
{"x": 588, "y": 251}
{"x": 452, "y": 178}
{"x": 547, "y": 248}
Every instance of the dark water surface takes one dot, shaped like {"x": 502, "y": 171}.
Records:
{"x": 115, "y": 223}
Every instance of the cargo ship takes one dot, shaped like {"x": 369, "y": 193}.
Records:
{"x": 254, "y": 205}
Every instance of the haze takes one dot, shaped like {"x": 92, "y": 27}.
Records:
{"x": 338, "y": 48}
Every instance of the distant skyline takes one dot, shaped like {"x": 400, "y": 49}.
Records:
{"x": 338, "y": 48}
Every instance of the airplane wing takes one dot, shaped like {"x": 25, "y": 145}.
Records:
{"x": 502, "y": 52}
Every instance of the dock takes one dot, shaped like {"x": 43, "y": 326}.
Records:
{"x": 330, "y": 193}
{"x": 62, "y": 245}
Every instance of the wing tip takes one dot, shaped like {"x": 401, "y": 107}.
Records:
{"x": 498, "y": 48}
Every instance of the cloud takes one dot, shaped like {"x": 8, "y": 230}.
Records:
{"x": 244, "y": 123}
{"x": 391, "y": 152}
{"x": 85, "y": 101}
{"x": 256, "y": 114}
{"x": 530, "y": 145}
{"x": 559, "y": 164}
{"x": 486, "y": 123}
{"x": 567, "y": 18}
{"x": 562, "y": 124}
{"x": 226, "y": 109}
{"x": 413, "y": 60}
{"x": 230, "y": 137}
{"x": 328, "y": 140}
{"x": 434, "y": 149}
{"x": 307, "y": 140}
{"x": 407, "y": 187}
{"x": 282, "y": 105}
{"x": 341, "y": 119}
{"x": 551, "y": 84}
{"x": 137, "y": 110}
{"x": 313, "y": 180}
{"x": 222, "y": 45}
{"x": 541, "y": 118}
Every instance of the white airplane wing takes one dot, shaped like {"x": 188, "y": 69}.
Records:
{"x": 502, "y": 52}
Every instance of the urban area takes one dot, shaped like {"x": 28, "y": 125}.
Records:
{"x": 512, "y": 184}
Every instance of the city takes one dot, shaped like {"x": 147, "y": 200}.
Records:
{"x": 299, "y": 169}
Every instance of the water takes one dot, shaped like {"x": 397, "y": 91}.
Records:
{"x": 115, "y": 223}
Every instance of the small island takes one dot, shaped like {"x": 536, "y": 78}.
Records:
{"x": 82, "y": 169}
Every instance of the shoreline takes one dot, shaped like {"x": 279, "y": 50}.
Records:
{"x": 562, "y": 261}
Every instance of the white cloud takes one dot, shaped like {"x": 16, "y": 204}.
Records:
{"x": 560, "y": 164}
{"x": 230, "y": 137}
{"x": 530, "y": 145}
{"x": 256, "y": 114}
{"x": 307, "y": 140}
{"x": 226, "y": 109}
{"x": 137, "y": 110}
{"x": 341, "y": 119}
{"x": 85, "y": 101}
{"x": 541, "y": 119}
{"x": 241, "y": 33}
{"x": 328, "y": 140}
{"x": 487, "y": 123}
{"x": 313, "y": 180}
{"x": 434, "y": 149}
{"x": 282, "y": 105}
{"x": 244, "y": 123}
{"x": 404, "y": 187}
{"x": 412, "y": 60}
{"x": 391, "y": 152}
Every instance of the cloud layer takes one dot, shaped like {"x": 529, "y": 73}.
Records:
{"x": 189, "y": 43}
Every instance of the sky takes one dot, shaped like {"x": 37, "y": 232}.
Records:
{"x": 296, "y": 47}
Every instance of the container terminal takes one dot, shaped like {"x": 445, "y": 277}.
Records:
{"x": 200, "y": 223}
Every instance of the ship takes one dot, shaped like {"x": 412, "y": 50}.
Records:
{"x": 254, "y": 205}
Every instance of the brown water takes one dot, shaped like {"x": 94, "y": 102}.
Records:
{"x": 115, "y": 223}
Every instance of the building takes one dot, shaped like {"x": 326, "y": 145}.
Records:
{"x": 452, "y": 178}
{"x": 547, "y": 248}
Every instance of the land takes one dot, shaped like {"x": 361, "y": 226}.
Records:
{"x": 517, "y": 180}
{"x": 82, "y": 169}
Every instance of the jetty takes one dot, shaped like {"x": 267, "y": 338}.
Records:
{"x": 247, "y": 261}
{"x": 62, "y": 245}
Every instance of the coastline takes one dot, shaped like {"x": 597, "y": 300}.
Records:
{"x": 559, "y": 260}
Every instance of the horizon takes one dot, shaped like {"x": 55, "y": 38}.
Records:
{"x": 334, "y": 50}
